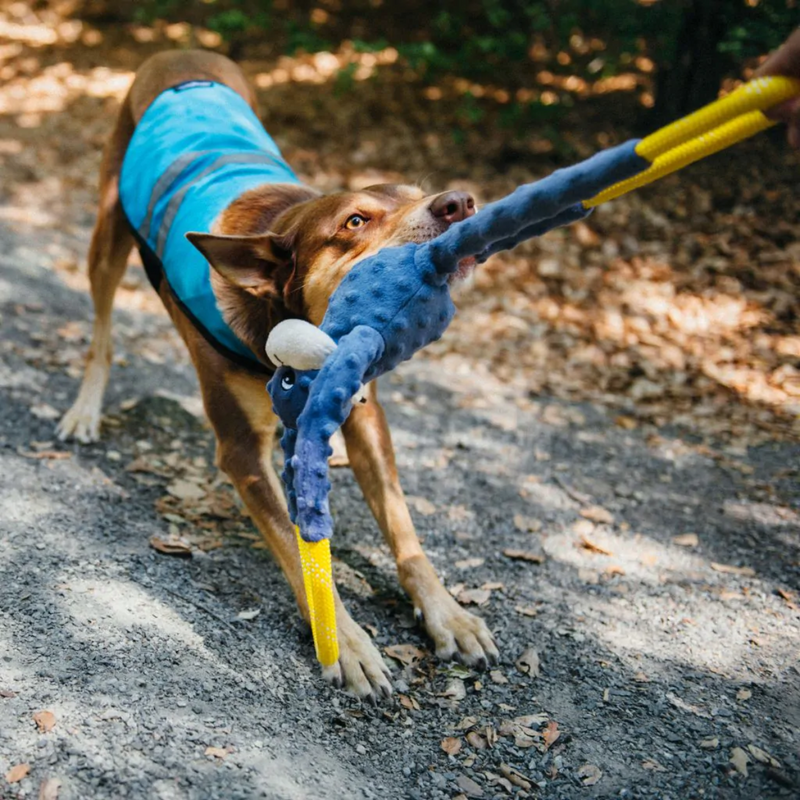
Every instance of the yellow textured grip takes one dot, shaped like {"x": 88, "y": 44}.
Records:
{"x": 684, "y": 154}
{"x": 756, "y": 95}
{"x": 315, "y": 558}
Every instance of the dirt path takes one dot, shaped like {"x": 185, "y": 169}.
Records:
{"x": 654, "y": 665}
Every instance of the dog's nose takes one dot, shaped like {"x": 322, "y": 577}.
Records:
{"x": 453, "y": 206}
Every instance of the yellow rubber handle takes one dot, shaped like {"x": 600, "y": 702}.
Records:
{"x": 709, "y": 130}
{"x": 684, "y": 154}
{"x": 315, "y": 558}
{"x": 756, "y": 95}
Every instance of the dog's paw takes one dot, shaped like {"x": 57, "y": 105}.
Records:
{"x": 81, "y": 422}
{"x": 360, "y": 669}
{"x": 456, "y": 633}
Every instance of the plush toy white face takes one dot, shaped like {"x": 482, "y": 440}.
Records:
{"x": 299, "y": 344}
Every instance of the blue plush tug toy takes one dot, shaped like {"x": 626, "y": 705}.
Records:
{"x": 398, "y": 301}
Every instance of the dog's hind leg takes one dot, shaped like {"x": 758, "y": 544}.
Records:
{"x": 111, "y": 245}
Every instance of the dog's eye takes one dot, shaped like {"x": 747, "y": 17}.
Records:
{"x": 355, "y": 221}
{"x": 287, "y": 381}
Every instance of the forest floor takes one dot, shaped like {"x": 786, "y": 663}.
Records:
{"x": 617, "y": 401}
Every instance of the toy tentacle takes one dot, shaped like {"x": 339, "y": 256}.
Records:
{"x": 533, "y": 203}
{"x": 566, "y": 217}
{"x": 328, "y": 405}
{"x": 288, "y": 442}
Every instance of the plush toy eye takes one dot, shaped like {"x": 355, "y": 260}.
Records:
{"x": 287, "y": 381}
{"x": 355, "y": 221}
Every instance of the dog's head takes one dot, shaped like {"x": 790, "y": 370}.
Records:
{"x": 284, "y": 249}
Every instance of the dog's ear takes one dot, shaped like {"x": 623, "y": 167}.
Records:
{"x": 249, "y": 262}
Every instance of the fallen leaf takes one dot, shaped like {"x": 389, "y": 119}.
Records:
{"x": 409, "y": 703}
{"x": 407, "y": 654}
{"x": 746, "y": 572}
{"x": 171, "y": 547}
{"x": 788, "y": 596}
{"x": 523, "y": 555}
{"x": 467, "y": 723}
{"x": 740, "y": 759}
{"x": 186, "y": 490}
{"x": 526, "y": 611}
{"x": 44, "y": 411}
{"x": 479, "y": 597}
{"x": 686, "y": 540}
{"x": 763, "y": 756}
{"x": 527, "y": 524}
{"x": 551, "y": 734}
{"x": 466, "y": 784}
{"x": 45, "y": 721}
{"x": 494, "y": 778}
{"x": 651, "y": 763}
{"x": 7, "y": 693}
{"x": 589, "y": 774}
{"x": 614, "y": 569}
{"x": 588, "y": 544}
{"x": 421, "y": 505}
{"x": 528, "y": 663}
{"x": 47, "y": 455}
{"x": 455, "y": 690}
{"x": 743, "y": 694}
{"x": 627, "y": 423}
{"x": 583, "y": 527}
{"x": 515, "y": 776}
{"x": 249, "y": 614}
{"x": 17, "y": 773}
{"x": 497, "y": 676}
{"x": 217, "y": 752}
{"x": 476, "y": 741}
{"x": 711, "y": 743}
{"x": 493, "y": 586}
{"x": 597, "y": 514}
{"x": 48, "y": 789}
{"x": 451, "y": 745}
{"x": 469, "y": 563}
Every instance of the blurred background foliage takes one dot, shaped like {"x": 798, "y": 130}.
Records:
{"x": 689, "y": 46}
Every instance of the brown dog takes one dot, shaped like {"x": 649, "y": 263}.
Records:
{"x": 280, "y": 251}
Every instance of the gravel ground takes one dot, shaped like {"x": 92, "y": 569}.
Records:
{"x": 653, "y": 666}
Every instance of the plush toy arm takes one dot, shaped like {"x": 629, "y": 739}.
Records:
{"x": 288, "y": 442}
{"x": 566, "y": 217}
{"x": 329, "y": 403}
{"x": 531, "y": 204}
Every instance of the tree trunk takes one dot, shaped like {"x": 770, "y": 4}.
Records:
{"x": 694, "y": 76}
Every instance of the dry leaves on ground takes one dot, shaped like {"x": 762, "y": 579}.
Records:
{"x": 17, "y": 773}
{"x": 216, "y": 752}
{"x": 451, "y": 745}
{"x": 528, "y": 662}
{"x": 48, "y": 789}
{"x": 589, "y": 774}
{"x": 745, "y": 572}
{"x": 686, "y": 540}
{"x": 407, "y": 654}
{"x": 45, "y": 721}
{"x": 523, "y": 555}
{"x": 593, "y": 547}
{"x": 597, "y": 514}
{"x": 172, "y": 546}
{"x": 740, "y": 760}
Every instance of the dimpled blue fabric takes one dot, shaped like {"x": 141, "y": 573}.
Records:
{"x": 395, "y": 302}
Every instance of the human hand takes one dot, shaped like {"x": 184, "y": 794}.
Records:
{"x": 785, "y": 61}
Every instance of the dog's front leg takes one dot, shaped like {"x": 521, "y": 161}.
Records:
{"x": 455, "y": 632}
{"x": 239, "y": 410}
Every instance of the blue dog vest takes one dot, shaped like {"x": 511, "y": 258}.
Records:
{"x": 196, "y": 149}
